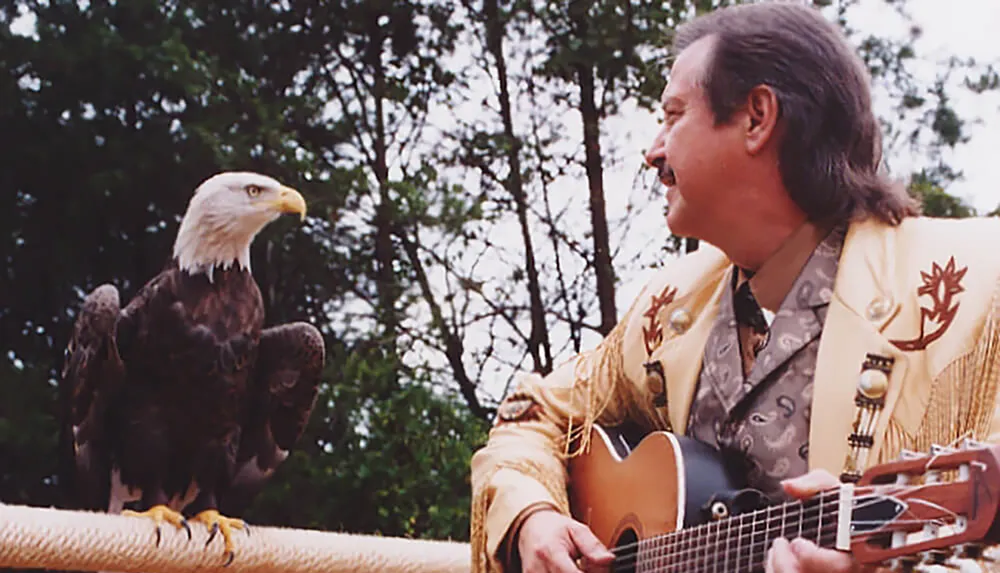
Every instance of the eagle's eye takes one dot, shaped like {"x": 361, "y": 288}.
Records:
{"x": 253, "y": 190}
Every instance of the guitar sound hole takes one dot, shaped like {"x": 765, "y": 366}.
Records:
{"x": 626, "y": 550}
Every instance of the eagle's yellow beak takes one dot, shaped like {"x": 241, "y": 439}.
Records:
{"x": 291, "y": 201}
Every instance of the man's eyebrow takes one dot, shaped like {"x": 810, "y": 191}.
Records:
{"x": 671, "y": 101}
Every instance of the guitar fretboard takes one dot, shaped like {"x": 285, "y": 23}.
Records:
{"x": 737, "y": 544}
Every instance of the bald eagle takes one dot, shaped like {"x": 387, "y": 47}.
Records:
{"x": 182, "y": 399}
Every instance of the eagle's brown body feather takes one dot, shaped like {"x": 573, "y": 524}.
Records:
{"x": 183, "y": 395}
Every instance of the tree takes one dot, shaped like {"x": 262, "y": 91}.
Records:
{"x": 598, "y": 49}
{"x": 136, "y": 103}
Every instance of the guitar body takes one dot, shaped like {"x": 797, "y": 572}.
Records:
{"x": 626, "y": 492}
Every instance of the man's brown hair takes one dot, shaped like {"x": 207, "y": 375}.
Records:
{"x": 831, "y": 151}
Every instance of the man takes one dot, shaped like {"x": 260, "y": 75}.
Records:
{"x": 817, "y": 281}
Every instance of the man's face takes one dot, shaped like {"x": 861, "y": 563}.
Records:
{"x": 698, "y": 162}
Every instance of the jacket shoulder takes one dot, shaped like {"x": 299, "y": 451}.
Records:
{"x": 689, "y": 272}
{"x": 920, "y": 243}
{"x": 948, "y": 230}
{"x": 944, "y": 275}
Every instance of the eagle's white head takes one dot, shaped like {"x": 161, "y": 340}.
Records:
{"x": 225, "y": 214}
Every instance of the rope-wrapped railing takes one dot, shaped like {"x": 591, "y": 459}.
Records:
{"x": 44, "y": 538}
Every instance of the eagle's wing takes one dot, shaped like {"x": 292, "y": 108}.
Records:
{"x": 92, "y": 373}
{"x": 286, "y": 377}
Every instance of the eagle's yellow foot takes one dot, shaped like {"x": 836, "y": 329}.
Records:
{"x": 224, "y": 525}
{"x": 159, "y": 514}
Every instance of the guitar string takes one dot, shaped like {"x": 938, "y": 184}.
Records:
{"x": 757, "y": 551}
{"x": 756, "y": 557}
{"x": 750, "y": 516}
{"x": 775, "y": 520}
{"x": 755, "y": 554}
{"x": 695, "y": 554}
{"x": 742, "y": 562}
{"x": 773, "y": 515}
{"x": 767, "y": 527}
{"x": 803, "y": 508}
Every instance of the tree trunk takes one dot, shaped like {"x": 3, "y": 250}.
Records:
{"x": 386, "y": 283}
{"x": 454, "y": 346}
{"x": 538, "y": 343}
{"x": 595, "y": 178}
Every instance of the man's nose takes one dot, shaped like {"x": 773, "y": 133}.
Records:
{"x": 654, "y": 155}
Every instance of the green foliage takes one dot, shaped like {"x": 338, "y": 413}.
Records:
{"x": 936, "y": 202}
{"x": 28, "y": 431}
{"x": 923, "y": 120}
{"x": 120, "y": 109}
{"x": 378, "y": 459}
{"x": 124, "y": 109}
{"x": 612, "y": 40}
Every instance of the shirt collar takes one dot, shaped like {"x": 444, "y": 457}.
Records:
{"x": 772, "y": 281}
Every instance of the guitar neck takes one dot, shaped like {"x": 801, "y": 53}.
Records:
{"x": 737, "y": 544}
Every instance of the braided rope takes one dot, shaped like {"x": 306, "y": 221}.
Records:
{"x": 43, "y": 538}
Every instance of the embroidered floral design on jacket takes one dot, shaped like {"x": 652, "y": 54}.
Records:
{"x": 942, "y": 284}
{"x": 652, "y": 334}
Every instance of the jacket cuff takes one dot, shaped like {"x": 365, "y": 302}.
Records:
{"x": 515, "y": 493}
{"x": 509, "y": 555}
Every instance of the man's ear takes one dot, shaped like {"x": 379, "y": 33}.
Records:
{"x": 762, "y": 111}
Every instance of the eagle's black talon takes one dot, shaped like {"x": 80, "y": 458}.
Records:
{"x": 232, "y": 555}
{"x": 158, "y": 536}
{"x": 211, "y": 534}
{"x": 246, "y": 526}
{"x": 187, "y": 528}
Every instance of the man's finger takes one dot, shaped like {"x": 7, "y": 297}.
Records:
{"x": 812, "y": 558}
{"x": 591, "y": 549}
{"x": 780, "y": 558}
{"x": 561, "y": 562}
{"x": 809, "y": 484}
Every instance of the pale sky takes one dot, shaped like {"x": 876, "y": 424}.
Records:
{"x": 969, "y": 28}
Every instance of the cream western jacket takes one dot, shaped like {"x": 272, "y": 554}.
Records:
{"x": 923, "y": 293}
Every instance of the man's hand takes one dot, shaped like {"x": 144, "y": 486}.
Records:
{"x": 550, "y": 542}
{"x": 800, "y": 555}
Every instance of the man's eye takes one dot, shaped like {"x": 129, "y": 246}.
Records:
{"x": 253, "y": 190}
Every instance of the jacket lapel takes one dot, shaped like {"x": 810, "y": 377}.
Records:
{"x": 864, "y": 303}
{"x": 681, "y": 357}
{"x": 723, "y": 374}
{"x": 799, "y": 319}
{"x": 797, "y": 327}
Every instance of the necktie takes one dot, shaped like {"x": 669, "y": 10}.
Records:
{"x": 753, "y": 328}
{"x": 747, "y": 309}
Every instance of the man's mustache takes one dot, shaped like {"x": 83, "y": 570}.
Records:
{"x": 664, "y": 172}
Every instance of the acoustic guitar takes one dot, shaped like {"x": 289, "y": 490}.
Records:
{"x": 669, "y": 504}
